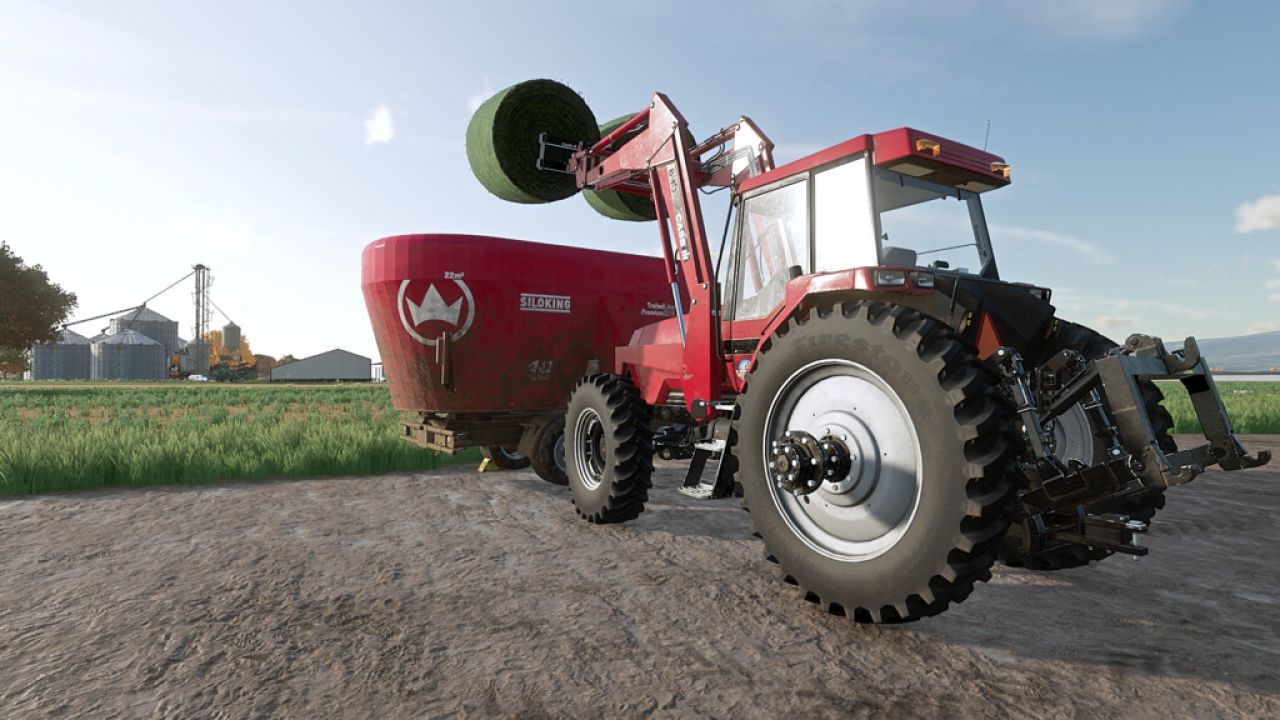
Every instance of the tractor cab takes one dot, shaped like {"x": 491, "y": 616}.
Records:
{"x": 874, "y": 201}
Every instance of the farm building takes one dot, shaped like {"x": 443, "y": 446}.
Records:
{"x": 66, "y": 359}
{"x": 333, "y": 365}
{"x": 128, "y": 355}
{"x": 150, "y": 323}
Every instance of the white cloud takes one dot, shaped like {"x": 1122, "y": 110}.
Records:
{"x": 1085, "y": 248}
{"x": 1261, "y": 214}
{"x": 1105, "y": 20}
{"x": 475, "y": 101}
{"x": 1112, "y": 322}
{"x": 378, "y": 127}
{"x": 1263, "y": 327}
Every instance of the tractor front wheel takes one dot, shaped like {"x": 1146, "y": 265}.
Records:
{"x": 874, "y": 451}
{"x": 609, "y": 449}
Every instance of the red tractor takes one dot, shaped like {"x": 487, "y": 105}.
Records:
{"x": 894, "y": 415}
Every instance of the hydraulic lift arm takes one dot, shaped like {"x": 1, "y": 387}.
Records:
{"x": 659, "y": 160}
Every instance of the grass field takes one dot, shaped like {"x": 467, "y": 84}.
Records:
{"x": 1254, "y": 406}
{"x": 56, "y": 437}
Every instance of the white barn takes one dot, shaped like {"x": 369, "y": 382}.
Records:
{"x": 327, "y": 366}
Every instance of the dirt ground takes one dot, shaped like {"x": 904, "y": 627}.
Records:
{"x": 457, "y": 594}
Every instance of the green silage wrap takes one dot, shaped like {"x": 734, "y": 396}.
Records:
{"x": 502, "y": 139}
{"x": 619, "y": 205}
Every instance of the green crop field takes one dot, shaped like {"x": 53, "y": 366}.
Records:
{"x": 61, "y": 436}
{"x": 1254, "y": 406}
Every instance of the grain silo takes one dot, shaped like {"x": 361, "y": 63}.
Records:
{"x": 151, "y": 324}
{"x": 231, "y": 338}
{"x": 195, "y": 358}
{"x": 66, "y": 359}
{"x": 129, "y": 355}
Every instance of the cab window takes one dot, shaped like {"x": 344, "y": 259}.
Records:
{"x": 774, "y": 237}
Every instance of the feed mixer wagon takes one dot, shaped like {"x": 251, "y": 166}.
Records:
{"x": 847, "y": 359}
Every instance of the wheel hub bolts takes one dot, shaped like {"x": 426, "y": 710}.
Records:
{"x": 801, "y": 462}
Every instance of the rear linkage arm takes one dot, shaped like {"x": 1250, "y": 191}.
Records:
{"x": 1053, "y": 503}
{"x": 1144, "y": 357}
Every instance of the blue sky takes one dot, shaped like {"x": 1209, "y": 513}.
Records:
{"x": 272, "y": 141}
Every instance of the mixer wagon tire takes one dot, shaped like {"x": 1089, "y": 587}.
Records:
{"x": 618, "y": 205}
{"x": 926, "y": 499}
{"x": 504, "y": 458}
{"x": 548, "y": 452}
{"x": 609, "y": 449}
{"x": 1073, "y": 435}
{"x": 502, "y": 139}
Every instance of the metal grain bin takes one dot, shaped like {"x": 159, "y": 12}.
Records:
{"x": 66, "y": 359}
{"x": 195, "y": 358}
{"x": 231, "y": 338}
{"x": 151, "y": 324}
{"x": 129, "y": 355}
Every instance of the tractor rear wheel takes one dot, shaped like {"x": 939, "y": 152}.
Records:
{"x": 505, "y": 458}
{"x": 1074, "y": 438}
{"x": 548, "y": 452}
{"x": 609, "y": 449}
{"x": 908, "y": 518}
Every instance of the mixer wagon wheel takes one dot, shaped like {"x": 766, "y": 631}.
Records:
{"x": 1073, "y": 435}
{"x": 874, "y": 450}
{"x": 548, "y": 452}
{"x": 609, "y": 448}
{"x": 505, "y": 458}
{"x": 503, "y": 144}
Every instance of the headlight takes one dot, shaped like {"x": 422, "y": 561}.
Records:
{"x": 891, "y": 278}
{"x": 922, "y": 279}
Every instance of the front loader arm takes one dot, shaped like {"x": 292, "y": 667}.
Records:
{"x": 660, "y": 160}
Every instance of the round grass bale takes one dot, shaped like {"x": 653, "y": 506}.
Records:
{"x": 620, "y": 205}
{"x": 502, "y": 139}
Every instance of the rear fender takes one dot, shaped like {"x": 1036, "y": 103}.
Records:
{"x": 808, "y": 291}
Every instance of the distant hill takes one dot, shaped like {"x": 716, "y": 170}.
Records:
{"x": 1242, "y": 354}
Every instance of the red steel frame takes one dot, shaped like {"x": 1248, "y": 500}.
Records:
{"x": 658, "y": 162}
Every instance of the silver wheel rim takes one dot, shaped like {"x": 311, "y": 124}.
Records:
{"x": 514, "y": 457}
{"x": 1071, "y": 436}
{"x": 862, "y": 515}
{"x": 557, "y": 453}
{"x": 588, "y": 448}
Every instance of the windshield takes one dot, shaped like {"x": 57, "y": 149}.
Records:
{"x": 929, "y": 225}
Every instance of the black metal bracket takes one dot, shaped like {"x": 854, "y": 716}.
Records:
{"x": 553, "y": 154}
{"x": 1144, "y": 357}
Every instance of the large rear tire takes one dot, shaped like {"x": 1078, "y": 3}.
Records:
{"x": 916, "y": 521}
{"x": 1074, "y": 439}
{"x": 609, "y": 449}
